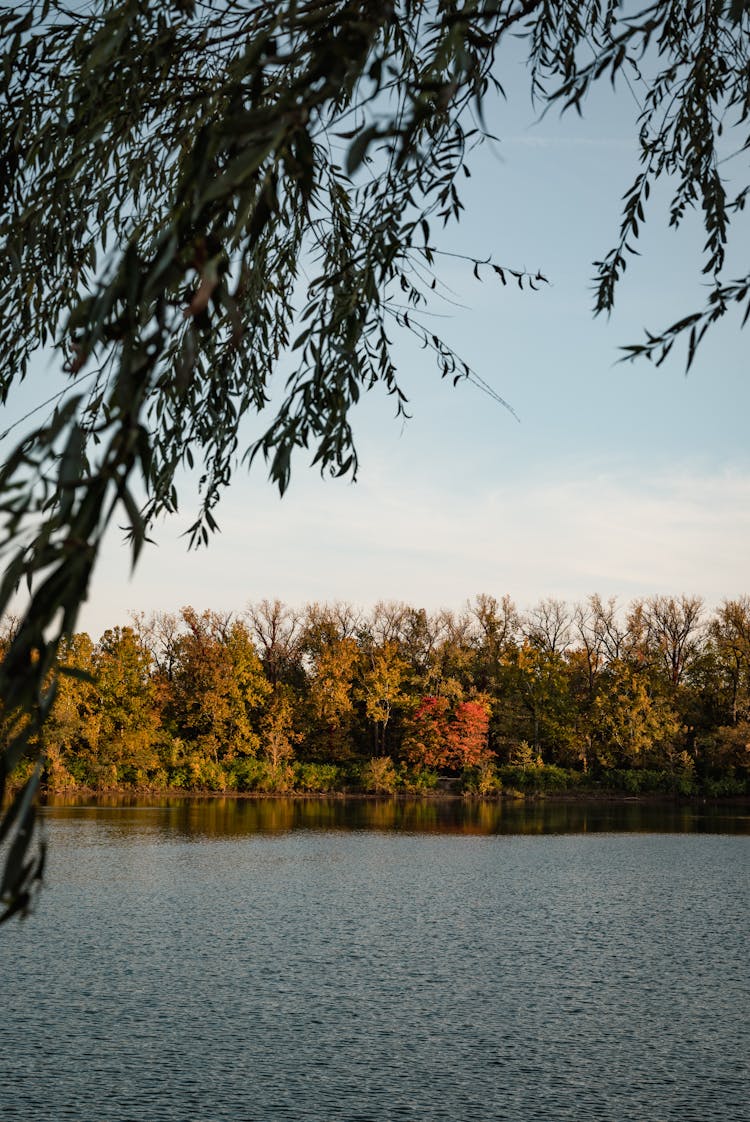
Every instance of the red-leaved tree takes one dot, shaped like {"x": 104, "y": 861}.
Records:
{"x": 426, "y": 733}
{"x": 438, "y": 735}
{"x": 467, "y": 741}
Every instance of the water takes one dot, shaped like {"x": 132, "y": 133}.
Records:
{"x": 259, "y": 960}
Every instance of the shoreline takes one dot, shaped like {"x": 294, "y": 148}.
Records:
{"x": 515, "y": 799}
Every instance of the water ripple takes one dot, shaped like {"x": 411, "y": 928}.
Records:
{"x": 364, "y": 977}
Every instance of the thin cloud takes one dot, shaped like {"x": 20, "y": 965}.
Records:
{"x": 393, "y": 539}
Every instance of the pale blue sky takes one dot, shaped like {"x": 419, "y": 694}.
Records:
{"x": 617, "y": 479}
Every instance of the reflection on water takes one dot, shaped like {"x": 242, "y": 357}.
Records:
{"x": 232, "y": 817}
{"x": 329, "y": 960}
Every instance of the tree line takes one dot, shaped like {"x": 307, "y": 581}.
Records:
{"x": 168, "y": 166}
{"x": 652, "y": 696}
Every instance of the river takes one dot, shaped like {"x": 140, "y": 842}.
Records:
{"x": 252, "y": 960}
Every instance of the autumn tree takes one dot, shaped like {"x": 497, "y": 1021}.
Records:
{"x": 327, "y": 623}
{"x": 467, "y": 733}
{"x": 330, "y": 698}
{"x": 725, "y": 740}
{"x": 128, "y": 716}
{"x": 419, "y": 647}
{"x": 159, "y": 634}
{"x": 674, "y": 626}
{"x": 729, "y": 632}
{"x": 277, "y": 633}
{"x": 440, "y": 735}
{"x": 426, "y": 733}
{"x": 72, "y": 732}
{"x": 280, "y": 734}
{"x": 539, "y": 676}
{"x": 380, "y": 685}
{"x": 218, "y": 688}
{"x": 496, "y": 627}
{"x": 611, "y": 627}
{"x": 454, "y": 654}
{"x": 387, "y": 622}
{"x": 593, "y": 631}
{"x": 548, "y": 626}
{"x": 634, "y": 723}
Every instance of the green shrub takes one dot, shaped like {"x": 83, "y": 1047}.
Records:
{"x": 178, "y": 778}
{"x": 481, "y": 780}
{"x": 205, "y": 774}
{"x": 557, "y": 778}
{"x": 542, "y": 777}
{"x": 725, "y": 786}
{"x": 248, "y": 774}
{"x": 653, "y": 781}
{"x": 317, "y": 777}
{"x": 417, "y": 781}
{"x": 279, "y": 779}
{"x": 379, "y": 776}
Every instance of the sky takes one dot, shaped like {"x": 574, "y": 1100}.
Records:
{"x": 617, "y": 479}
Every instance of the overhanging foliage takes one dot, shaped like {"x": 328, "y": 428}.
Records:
{"x": 194, "y": 192}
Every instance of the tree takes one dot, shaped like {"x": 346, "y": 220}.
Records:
{"x": 276, "y": 631}
{"x": 730, "y": 636}
{"x": 426, "y": 733}
{"x": 675, "y": 631}
{"x": 725, "y": 739}
{"x": 496, "y": 625}
{"x": 279, "y": 734}
{"x": 71, "y": 734}
{"x": 542, "y": 686}
{"x": 596, "y": 635}
{"x": 440, "y": 735}
{"x": 468, "y": 733}
{"x": 330, "y": 684}
{"x": 634, "y": 725}
{"x": 218, "y": 690}
{"x": 548, "y": 626}
{"x": 170, "y": 165}
{"x": 381, "y": 680}
{"x": 128, "y": 721}
{"x": 419, "y": 646}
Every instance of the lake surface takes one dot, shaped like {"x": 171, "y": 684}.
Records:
{"x": 241, "y": 960}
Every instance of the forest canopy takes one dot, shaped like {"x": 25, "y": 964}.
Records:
{"x": 170, "y": 166}
{"x": 651, "y": 697}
